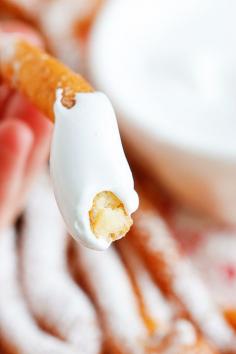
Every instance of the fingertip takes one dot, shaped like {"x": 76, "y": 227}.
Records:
{"x": 15, "y": 137}
{"x": 5, "y": 93}
{"x": 19, "y": 106}
{"x": 16, "y": 142}
{"x": 40, "y": 127}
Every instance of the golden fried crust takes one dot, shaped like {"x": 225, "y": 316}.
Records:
{"x": 38, "y": 75}
{"x": 200, "y": 347}
{"x": 230, "y": 316}
{"x": 108, "y": 217}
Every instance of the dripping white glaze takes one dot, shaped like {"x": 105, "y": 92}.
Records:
{"x": 87, "y": 158}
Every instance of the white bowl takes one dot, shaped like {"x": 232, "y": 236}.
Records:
{"x": 170, "y": 70}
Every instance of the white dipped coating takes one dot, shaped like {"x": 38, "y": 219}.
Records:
{"x": 87, "y": 158}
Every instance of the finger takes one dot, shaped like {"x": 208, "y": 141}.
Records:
{"x": 20, "y": 107}
{"x": 5, "y": 93}
{"x": 15, "y": 143}
{"x": 41, "y": 129}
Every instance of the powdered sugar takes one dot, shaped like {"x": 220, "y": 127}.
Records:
{"x": 65, "y": 43}
{"x": 212, "y": 250}
{"x": 157, "y": 235}
{"x": 54, "y": 298}
{"x": 186, "y": 283}
{"x": 61, "y": 33}
{"x": 155, "y": 305}
{"x": 18, "y": 329}
{"x": 109, "y": 283}
{"x": 216, "y": 260}
{"x": 185, "y": 333}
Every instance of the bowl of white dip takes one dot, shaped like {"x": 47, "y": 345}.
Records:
{"x": 169, "y": 67}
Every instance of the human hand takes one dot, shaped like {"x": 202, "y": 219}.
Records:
{"x": 24, "y": 140}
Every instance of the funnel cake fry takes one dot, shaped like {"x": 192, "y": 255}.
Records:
{"x": 38, "y": 75}
{"x": 176, "y": 276}
{"x": 105, "y": 277}
{"x": 64, "y": 38}
{"x": 156, "y": 311}
{"x": 55, "y": 300}
{"x": 86, "y": 143}
{"x": 183, "y": 339}
{"x": 170, "y": 333}
{"x": 18, "y": 331}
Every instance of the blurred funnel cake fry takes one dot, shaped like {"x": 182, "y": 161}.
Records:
{"x": 62, "y": 308}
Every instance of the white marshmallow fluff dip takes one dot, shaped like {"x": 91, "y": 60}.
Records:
{"x": 169, "y": 67}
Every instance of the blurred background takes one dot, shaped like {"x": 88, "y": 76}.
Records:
{"x": 169, "y": 68}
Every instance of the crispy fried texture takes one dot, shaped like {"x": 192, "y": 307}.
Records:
{"x": 108, "y": 217}
{"x": 37, "y": 75}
